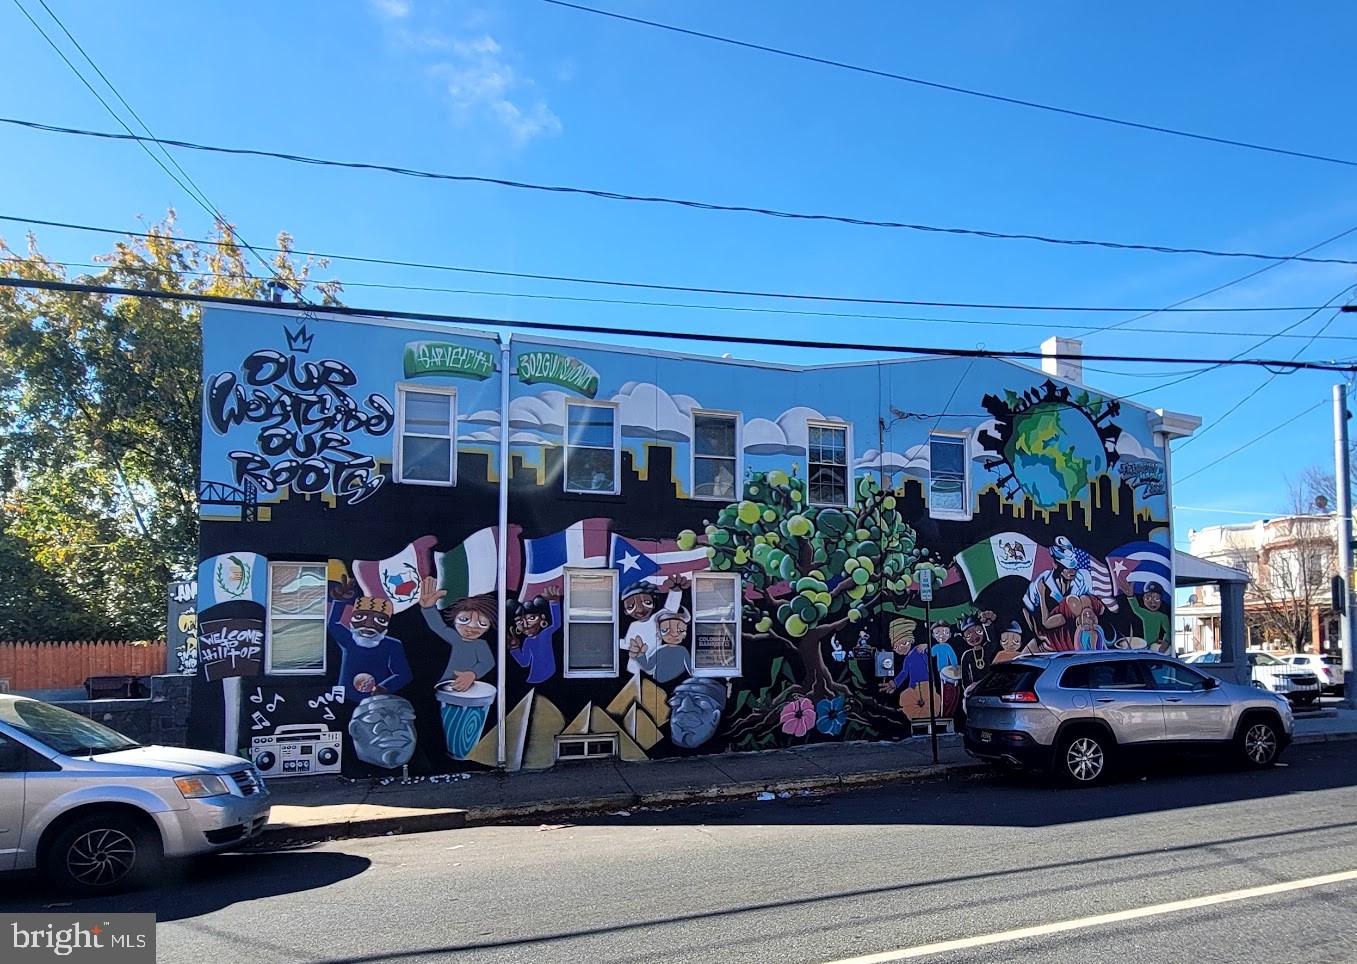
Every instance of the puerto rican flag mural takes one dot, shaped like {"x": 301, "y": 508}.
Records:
{"x": 653, "y": 559}
{"x": 584, "y": 545}
{"x": 1139, "y": 564}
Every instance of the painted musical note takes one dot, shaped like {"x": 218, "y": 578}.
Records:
{"x": 261, "y": 722}
{"x": 273, "y": 703}
{"x": 329, "y": 714}
{"x": 257, "y": 696}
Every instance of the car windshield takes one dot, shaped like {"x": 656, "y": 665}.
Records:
{"x": 61, "y": 730}
{"x": 1332, "y": 661}
{"x": 1263, "y": 659}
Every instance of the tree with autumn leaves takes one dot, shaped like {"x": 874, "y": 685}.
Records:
{"x": 809, "y": 572}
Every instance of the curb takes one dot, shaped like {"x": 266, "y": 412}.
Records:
{"x": 1310, "y": 738}
{"x": 455, "y": 819}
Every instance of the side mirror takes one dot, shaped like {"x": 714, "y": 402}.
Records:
{"x": 1212, "y": 682}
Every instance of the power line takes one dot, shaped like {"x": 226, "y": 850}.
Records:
{"x": 954, "y": 89}
{"x": 349, "y": 311}
{"x": 653, "y": 286}
{"x": 673, "y": 201}
{"x": 1257, "y": 438}
{"x": 194, "y": 192}
{"x": 481, "y": 292}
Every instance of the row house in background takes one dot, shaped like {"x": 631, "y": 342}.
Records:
{"x": 1288, "y": 606}
{"x": 429, "y": 549}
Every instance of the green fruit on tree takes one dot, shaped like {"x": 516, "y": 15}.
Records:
{"x": 749, "y": 512}
{"x": 777, "y": 477}
{"x": 764, "y": 624}
{"x": 854, "y": 615}
{"x": 687, "y": 539}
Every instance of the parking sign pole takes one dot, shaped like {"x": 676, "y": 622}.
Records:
{"x": 926, "y": 593}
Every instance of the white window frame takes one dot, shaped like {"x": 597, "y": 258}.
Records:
{"x": 323, "y": 619}
{"x": 616, "y": 448}
{"x": 398, "y": 469}
{"x": 720, "y": 672}
{"x": 567, "y": 672}
{"x": 966, "y": 512}
{"x": 738, "y": 459}
{"x": 847, "y": 430}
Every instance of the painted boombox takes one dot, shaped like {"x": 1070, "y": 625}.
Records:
{"x": 301, "y": 749}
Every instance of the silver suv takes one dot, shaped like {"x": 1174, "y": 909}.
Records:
{"x": 97, "y": 811}
{"x": 1076, "y": 714}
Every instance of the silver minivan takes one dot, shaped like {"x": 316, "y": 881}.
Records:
{"x": 97, "y": 811}
{"x": 1076, "y": 713}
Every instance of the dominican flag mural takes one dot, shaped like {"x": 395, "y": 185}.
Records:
{"x": 397, "y": 577}
{"x": 584, "y": 545}
{"x": 1139, "y": 564}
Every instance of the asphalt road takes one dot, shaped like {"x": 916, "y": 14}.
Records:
{"x": 821, "y": 878}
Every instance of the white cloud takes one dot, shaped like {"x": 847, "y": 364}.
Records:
{"x": 1129, "y": 447}
{"x": 915, "y": 460}
{"x": 648, "y": 411}
{"x": 786, "y": 436}
{"x": 392, "y": 9}
{"x": 483, "y": 85}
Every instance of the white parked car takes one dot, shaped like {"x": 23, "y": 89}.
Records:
{"x": 1297, "y": 684}
{"x": 96, "y": 811}
{"x": 1329, "y": 669}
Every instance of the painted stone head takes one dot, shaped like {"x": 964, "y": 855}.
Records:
{"x": 383, "y": 730}
{"x": 695, "y": 711}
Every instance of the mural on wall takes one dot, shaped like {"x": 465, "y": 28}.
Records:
{"x": 1054, "y": 538}
{"x": 181, "y": 630}
{"x": 231, "y": 615}
{"x": 305, "y": 415}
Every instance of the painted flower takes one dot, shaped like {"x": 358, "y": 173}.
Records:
{"x": 798, "y": 716}
{"x": 830, "y": 716}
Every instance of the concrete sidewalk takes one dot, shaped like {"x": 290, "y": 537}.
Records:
{"x": 321, "y": 808}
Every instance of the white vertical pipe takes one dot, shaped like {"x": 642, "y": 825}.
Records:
{"x": 502, "y": 546}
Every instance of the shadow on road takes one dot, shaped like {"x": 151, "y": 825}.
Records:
{"x": 200, "y": 886}
{"x": 1000, "y": 798}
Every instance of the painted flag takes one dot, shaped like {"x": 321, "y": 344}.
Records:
{"x": 397, "y": 577}
{"x": 1139, "y": 564}
{"x": 232, "y": 577}
{"x": 471, "y": 568}
{"x": 655, "y": 559}
{"x": 584, "y": 545}
{"x": 1099, "y": 577}
{"x": 1001, "y": 555}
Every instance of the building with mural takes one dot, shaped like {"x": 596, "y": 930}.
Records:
{"x": 429, "y": 550}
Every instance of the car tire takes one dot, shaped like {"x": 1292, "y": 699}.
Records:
{"x": 1083, "y": 758}
{"x": 1260, "y": 742}
{"x": 103, "y": 853}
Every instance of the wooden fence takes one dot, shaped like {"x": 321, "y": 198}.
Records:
{"x": 33, "y": 665}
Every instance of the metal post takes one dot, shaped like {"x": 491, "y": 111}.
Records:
{"x": 502, "y": 560}
{"x": 1343, "y": 515}
{"x": 932, "y": 713}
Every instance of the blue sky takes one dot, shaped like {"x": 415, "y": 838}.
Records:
{"x": 533, "y": 92}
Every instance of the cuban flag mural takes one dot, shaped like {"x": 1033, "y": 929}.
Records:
{"x": 1139, "y": 564}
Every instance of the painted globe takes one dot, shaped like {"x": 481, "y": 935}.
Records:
{"x": 1054, "y": 451}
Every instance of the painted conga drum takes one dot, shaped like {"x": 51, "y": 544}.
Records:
{"x": 464, "y": 715}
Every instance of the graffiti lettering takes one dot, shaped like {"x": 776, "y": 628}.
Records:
{"x": 306, "y": 417}
{"x": 563, "y": 370}
{"x": 1147, "y": 475}
{"x": 231, "y": 647}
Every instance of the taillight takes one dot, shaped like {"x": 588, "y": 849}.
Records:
{"x": 1021, "y": 696}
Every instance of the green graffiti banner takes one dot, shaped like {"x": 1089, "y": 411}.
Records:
{"x": 563, "y": 370}
{"x": 447, "y": 358}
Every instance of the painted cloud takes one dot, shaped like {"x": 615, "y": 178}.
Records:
{"x": 1129, "y": 447}
{"x": 786, "y": 436}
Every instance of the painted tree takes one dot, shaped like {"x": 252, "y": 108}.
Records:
{"x": 810, "y": 571}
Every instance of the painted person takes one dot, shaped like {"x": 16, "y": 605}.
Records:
{"x": 672, "y": 659}
{"x": 372, "y": 661}
{"x": 946, "y": 668}
{"x": 464, "y": 627}
{"x": 1042, "y": 603}
{"x": 913, "y": 683}
{"x": 639, "y": 604}
{"x": 1148, "y": 607}
{"x": 1089, "y": 634}
{"x": 1010, "y": 643}
{"x": 695, "y": 709}
{"x": 973, "y": 657}
{"x": 533, "y": 626}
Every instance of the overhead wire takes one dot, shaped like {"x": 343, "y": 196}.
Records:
{"x": 1252, "y": 441}
{"x": 956, "y": 89}
{"x": 193, "y": 191}
{"x": 689, "y": 203}
{"x": 667, "y": 334}
{"x": 654, "y": 286}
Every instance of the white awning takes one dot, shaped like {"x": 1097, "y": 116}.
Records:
{"x": 1191, "y": 571}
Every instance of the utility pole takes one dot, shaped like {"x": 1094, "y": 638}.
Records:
{"x": 1343, "y": 515}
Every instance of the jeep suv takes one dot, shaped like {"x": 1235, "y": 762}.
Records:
{"x": 1076, "y": 714}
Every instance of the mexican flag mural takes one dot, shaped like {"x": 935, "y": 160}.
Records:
{"x": 470, "y": 569}
{"x": 999, "y": 556}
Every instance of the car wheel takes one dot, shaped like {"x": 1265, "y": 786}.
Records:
{"x": 1082, "y": 759}
{"x": 1259, "y": 743}
{"x": 102, "y": 853}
